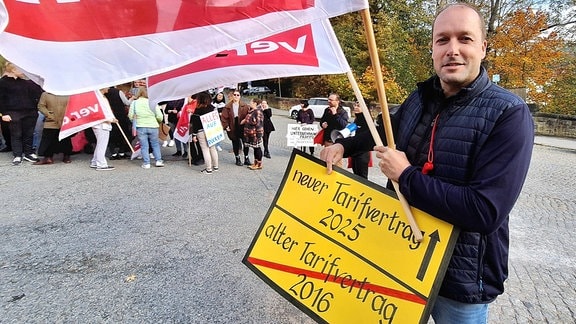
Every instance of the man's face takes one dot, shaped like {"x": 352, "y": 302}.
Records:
{"x": 458, "y": 48}
{"x": 333, "y": 101}
{"x": 236, "y": 96}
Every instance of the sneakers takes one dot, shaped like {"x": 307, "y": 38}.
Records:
{"x": 165, "y": 143}
{"x": 247, "y": 161}
{"x": 178, "y": 153}
{"x": 215, "y": 169}
{"x": 219, "y": 148}
{"x": 206, "y": 171}
{"x": 31, "y": 158}
{"x": 267, "y": 155}
{"x": 171, "y": 143}
{"x": 159, "y": 163}
{"x": 17, "y": 160}
{"x": 185, "y": 155}
{"x": 93, "y": 166}
{"x": 106, "y": 168}
{"x": 145, "y": 166}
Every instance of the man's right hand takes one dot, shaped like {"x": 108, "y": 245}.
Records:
{"x": 331, "y": 155}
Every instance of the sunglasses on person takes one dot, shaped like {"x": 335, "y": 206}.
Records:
{"x": 236, "y": 95}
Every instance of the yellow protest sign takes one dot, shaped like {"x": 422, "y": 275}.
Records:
{"x": 339, "y": 248}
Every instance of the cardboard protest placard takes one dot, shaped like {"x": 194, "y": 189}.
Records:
{"x": 299, "y": 135}
{"x": 212, "y": 128}
{"x": 339, "y": 248}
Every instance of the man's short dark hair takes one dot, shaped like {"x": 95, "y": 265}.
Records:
{"x": 468, "y": 5}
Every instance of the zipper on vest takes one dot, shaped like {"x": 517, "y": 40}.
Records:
{"x": 481, "y": 252}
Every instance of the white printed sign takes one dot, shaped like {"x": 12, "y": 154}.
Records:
{"x": 299, "y": 135}
{"x": 212, "y": 128}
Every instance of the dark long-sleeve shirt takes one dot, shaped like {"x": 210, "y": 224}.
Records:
{"x": 335, "y": 122}
{"x": 18, "y": 97}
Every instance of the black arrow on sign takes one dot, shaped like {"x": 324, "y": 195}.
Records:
{"x": 434, "y": 239}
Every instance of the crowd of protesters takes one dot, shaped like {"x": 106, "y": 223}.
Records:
{"x": 32, "y": 118}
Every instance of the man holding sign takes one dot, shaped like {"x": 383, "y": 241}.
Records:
{"x": 463, "y": 151}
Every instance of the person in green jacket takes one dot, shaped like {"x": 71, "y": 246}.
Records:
{"x": 147, "y": 121}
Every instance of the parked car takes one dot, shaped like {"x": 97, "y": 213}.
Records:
{"x": 318, "y": 105}
{"x": 256, "y": 91}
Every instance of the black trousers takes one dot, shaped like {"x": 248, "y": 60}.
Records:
{"x": 50, "y": 145}
{"x": 6, "y": 133}
{"x": 22, "y": 135}
{"x": 117, "y": 143}
{"x": 360, "y": 164}
{"x": 266, "y": 140}
{"x": 237, "y": 142}
{"x": 195, "y": 151}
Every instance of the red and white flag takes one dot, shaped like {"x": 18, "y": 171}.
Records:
{"x": 137, "y": 151}
{"x": 75, "y": 46}
{"x": 307, "y": 50}
{"x": 83, "y": 111}
{"x": 182, "y": 129}
{"x": 3, "y": 16}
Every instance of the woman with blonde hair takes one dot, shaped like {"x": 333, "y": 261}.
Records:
{"x": 147, "y": 122}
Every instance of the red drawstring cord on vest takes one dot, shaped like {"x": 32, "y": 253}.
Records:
{"x": 429, "y": 165}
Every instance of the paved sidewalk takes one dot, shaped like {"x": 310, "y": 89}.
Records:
{"x": 559, "y": 142}
{"x": 165, "y": 245}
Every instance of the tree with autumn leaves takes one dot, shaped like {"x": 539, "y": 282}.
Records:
{"x": 402, "y": 62}
{"x": 526, "y": 57}
{"x": 523, "y": 49}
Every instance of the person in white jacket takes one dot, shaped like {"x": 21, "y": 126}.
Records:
{"x": 102, "y": 134}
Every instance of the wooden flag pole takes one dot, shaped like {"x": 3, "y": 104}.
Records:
{"x": 369, "y": 31}
{"x": 125, "y": 138}
{"x": 189, "y": 153}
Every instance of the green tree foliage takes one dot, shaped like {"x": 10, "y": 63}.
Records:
{"x": 394, "y": 92}
{"x": 403, "y": 47}
{"x": 526, "y": 47}
{"x": 563, "y": 99}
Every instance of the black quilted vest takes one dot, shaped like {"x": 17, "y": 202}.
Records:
{"x": 473, "y": 275}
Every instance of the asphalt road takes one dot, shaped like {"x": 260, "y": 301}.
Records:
{"x": 165, "y": 245}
